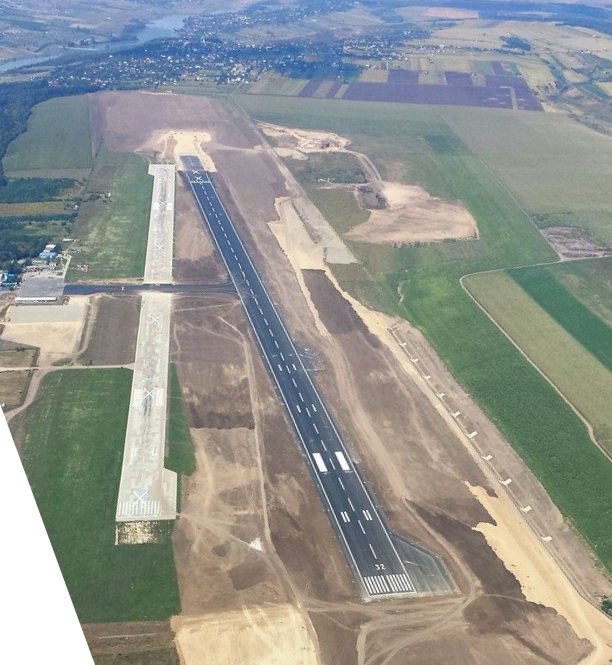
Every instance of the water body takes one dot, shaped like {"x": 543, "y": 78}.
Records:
{"x": 158, "y": 29}
{"x": 9, "y": 65}
{"x": 161, "y": 28}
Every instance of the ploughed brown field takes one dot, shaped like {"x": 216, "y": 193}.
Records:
{"x": 499, "y": 90}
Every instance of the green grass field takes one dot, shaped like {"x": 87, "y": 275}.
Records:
{"x": 331, "y": 167}
{"x": 114, "y": 232}
{"x": 554, "y": 166}
{"x": 418, "y": 145}
{"x": 58, "y": 138}
{"x": 580, "y": 376}
{"x": 577, "y": 319}
{"x": 590, "y": 282}
{"x": 338, "y": 204}
{"x": 273, "y": 84}
{"x": 72, "y": 455}
{"x": 180, "y": 456}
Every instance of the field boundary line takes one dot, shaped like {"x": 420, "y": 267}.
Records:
{"x": 583, "y": 419}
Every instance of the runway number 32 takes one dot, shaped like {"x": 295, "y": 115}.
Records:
{"x": 379, "y": 566}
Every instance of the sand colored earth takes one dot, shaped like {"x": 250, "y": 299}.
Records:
{"x": 413, "y": 215}
{"x": 171, "y": 144}
{"x": 539, "y": 576}
{"x": 274, "y": 635}
{"x": 449, "y": 12}
{"x": 301, "y": 251}
{"x": 55, "y": 329}
{"x": 304, "y": 140}
{"x": 292, "y": 153}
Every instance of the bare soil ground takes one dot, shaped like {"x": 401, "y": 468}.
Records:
{"x": 150, "y": 643}
{"x": 252, "y": 531}
{"x": 571, "y": 242}
{"x": 304, "y": 140}
{"x": 13, "y": 388}
{"x": 411, "y": 214}
{"x": 16, "y": 355}
{"x": 267, "y": 636}
{"x": 14, "y": 385}
{"x": 449, "y": 12}
{"x": 196, "y": 259}
{"x": 112, "y": 330}
{"x": 54, "y": 329}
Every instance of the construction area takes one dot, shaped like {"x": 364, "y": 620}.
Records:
{"x": 261, "y": 573}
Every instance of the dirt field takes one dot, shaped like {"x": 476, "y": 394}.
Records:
{"x": 14, "y": 385}
{"x": 150, "y": 643}
{"x": 252, "y": 532}
{"x": 413, "y": 215}
{"x": 266, "y": 636}
{"x": 571, "y": 242}
{"x": 110, "y": 337}
{"x": 195, "y": 260}
{"x": 449, "y": 12}
{"x": 13, "y": 388}
{"x": 54, "y": 329}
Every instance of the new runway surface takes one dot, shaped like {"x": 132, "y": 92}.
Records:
{"x": 370, "y": 550}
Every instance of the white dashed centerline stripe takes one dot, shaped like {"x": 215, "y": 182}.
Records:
{"x": 373, "y": 552}
{"x": 361, "y": 526}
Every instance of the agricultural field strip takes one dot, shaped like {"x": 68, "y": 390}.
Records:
{"x": 588, "y": 329}
{"x": 147, "y": 490}
{"x": 580, "y": 378}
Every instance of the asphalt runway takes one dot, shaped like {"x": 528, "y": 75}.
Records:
{"x": 375, "y": 555}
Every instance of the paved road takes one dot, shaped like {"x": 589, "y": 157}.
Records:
{"x": 371, "y": 552}
{"x": 90, "y": 289}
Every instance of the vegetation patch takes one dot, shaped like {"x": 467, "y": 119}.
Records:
{"x": 113, "y": 226}
{"x": 34, "y": 189}
{"x": 558, "y": 170}
{"x": 339, "y": 205}
{"x": 580, "y": 376}
{"x": 180, "y": 456}
{"x": 72, "y": 455}
{"x": 58, "y": 138}
{"x": 577, "y": 319}
{"x": 590, "y": 282}
{"x": 328, "y": 168}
